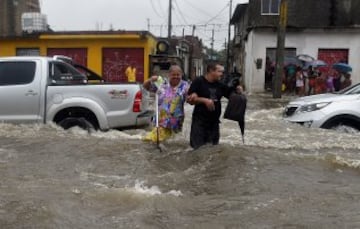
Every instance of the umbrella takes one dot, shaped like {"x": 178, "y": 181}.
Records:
{"x": 235, "y": 110}
{"x": 292, "y": 61}
{"x": 342, "y": 67}
{"x": 315, "y": 63}
{"x": 305, "y": 57}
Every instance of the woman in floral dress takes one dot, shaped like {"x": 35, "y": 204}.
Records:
{"x": 171, "y": 99}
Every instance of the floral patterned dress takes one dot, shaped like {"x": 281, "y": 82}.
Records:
{"x": 171, "y": 109}
{"x": 171, "y": 104}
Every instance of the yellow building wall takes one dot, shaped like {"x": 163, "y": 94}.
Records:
{"x": 94, "y": 43}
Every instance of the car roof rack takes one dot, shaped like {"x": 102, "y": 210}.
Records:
{"x": 66, "y": 59}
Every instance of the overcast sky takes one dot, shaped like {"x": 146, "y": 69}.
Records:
{"x": 207, "y": 15}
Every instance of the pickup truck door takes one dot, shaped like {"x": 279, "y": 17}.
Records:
{"x": 20, "y": 91}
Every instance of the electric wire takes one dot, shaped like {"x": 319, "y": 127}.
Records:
{"x": 154, "y": 8}
{"x": 161, "y": 8}
{"x": 218, "y": 14}
{"x": 179, "y": 11}
{"x": 198, "y": 9}
{"x": 203, "y": 28}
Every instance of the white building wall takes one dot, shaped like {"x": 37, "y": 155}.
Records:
{"x": 305, "y": 43}
{"x": 249, "y": 75}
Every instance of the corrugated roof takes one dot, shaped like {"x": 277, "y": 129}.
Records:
{"x": 239, "y": 10}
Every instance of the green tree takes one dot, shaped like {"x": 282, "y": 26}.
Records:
{"x": 216, "y": 55}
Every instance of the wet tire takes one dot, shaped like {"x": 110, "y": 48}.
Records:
{"x": 345, "y": 129}
{"x": 82, "y": 123}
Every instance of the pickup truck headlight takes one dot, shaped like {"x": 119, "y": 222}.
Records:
{"x": 313, "y": 107}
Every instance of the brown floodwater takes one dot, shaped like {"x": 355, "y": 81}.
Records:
{"x": 284, "y": 176}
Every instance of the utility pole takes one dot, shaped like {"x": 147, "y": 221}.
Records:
{"x": 228, "y": 43}
{"x": 280, "y": 49}
{"x": 212, "y": 45}
{"x": 191, "y": 65}
{"x": 148, "y": 24}
{"x": 169, "y": 19}
{"x": 226, "y": 57}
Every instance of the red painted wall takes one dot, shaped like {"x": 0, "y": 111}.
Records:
{"x": 332, "y": 56}
{"x": 79, "y": 55}
{"x": 116, "y": 60}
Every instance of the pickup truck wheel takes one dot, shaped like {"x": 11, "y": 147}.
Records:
{"x": 84, "y": 124}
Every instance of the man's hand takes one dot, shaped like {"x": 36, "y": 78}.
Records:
{"x": 209, "y": 103}
{"x": 239, "y": 89}
{"x": 195, "y": 99}
{"x": 191, "y": 99}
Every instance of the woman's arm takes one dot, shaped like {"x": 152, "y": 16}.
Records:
{"x": 147, "y": 83}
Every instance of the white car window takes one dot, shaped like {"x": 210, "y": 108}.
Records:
{"x": 353, "y": 90}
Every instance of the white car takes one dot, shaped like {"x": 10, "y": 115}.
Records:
{"x": 328, "y": 111}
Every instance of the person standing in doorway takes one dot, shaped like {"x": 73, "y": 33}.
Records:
{"x": 130, "y": 73}
{"x": 205, "y": 93}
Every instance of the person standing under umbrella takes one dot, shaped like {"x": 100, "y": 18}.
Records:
{"x": 343, "y": 77}
{"x": 347, "y": 81}
{"x": 337, "y": 81}
{"x": 291, "y": 78}
{"x": 320, "y": 83}
{"x": 299, "y": 82}
{"x": 312, "y": 74}
{"x": 330, "y": 81}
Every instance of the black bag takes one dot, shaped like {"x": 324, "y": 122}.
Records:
{"x": 235, "y": 109}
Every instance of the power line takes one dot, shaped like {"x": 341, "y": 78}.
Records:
{"x": 161, "y": 8}
{"x": 154, "y": 8}
{"x": 217, "y": 15}
{"x": 191, "y": 25}
{"x": 179, "y": 11}
{"x": 206, "y": 13}
{"x": 198, "y": 9}
{"x": 203, "y": 28}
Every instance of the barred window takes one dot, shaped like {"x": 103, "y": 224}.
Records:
{"x": 270, "y": 7}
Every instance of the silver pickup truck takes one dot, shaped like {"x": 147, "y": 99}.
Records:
{"x": 44, "y": 89}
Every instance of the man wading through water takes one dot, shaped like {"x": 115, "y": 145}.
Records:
{"x": 205, "y": 93}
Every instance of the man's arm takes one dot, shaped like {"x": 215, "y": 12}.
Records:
{"x": 195, "y": 99}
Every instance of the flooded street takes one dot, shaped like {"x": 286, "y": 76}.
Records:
{"x": 284, "y": 176}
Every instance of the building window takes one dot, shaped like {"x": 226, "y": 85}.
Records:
{"x": 270, "y": 7}
{"x": 27, "y": 52}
